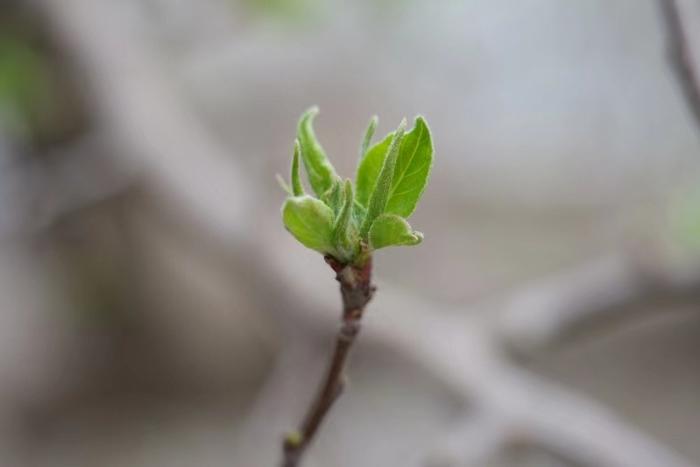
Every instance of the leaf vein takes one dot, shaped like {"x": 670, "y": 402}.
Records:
{"x": 408, "y": 163}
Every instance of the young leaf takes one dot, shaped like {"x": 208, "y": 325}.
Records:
{"x": 334, "y": 197}
{"x": 341, "y": 236}
{"x": 380, "y": 195}
{"x": 297, "y": 187}
{"x": 412, "y": 170}
{"x": 368, "y": 136}
{"x": 359, "y": 212}
{"x": 390, "y": 230}
{"x": 321, "y": 172}
{"x": 368, "y": 170}
{"x": 310, "y": 221}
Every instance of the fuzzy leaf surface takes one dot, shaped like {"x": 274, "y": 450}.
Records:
{"x": 382, "y": 189}
{"x": 392, "y": 230}
{"x": 369, "y": 168}
{"x": 310, "y": 221}
{"x": 320, "y": 171}
{"x": 413, "y": 164}
{"x": 344, "y": 235}
{"x": 369, "y": 133}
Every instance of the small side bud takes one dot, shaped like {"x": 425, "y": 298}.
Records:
{"x": 293, "y": 439}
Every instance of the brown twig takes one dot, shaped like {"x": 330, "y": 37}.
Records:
{"x": 356, "y": 291}
{"x": 680, "y": 55}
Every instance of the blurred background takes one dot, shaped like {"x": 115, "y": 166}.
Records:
{"x": 156, "y": 313}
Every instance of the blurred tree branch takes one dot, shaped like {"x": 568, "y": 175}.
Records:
{"x": 605, "y": 291}
{"x": 680, "y": 53}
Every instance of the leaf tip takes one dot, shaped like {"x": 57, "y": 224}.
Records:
{"x": 373, "y": 122}
{"x": 369, "y": 134}
{"x": 420, "y": 120}
{"x": 306, "y": 119}
{"x": 310, "y": 113}
{"x": 283, "y": 184}
{"x": 348, "y": 187}
{"x": 402, "y": 125}
{"x": 297, "y": 187}
{"x": 417, "y": 237}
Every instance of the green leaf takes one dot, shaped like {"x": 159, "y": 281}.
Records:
{"x": 343, "y": 237}
{"x": 335, "y": 196}
{"x": 297, "y": 187}
{"x": 380, "y": 195}
{"x": 368, "y": 170}
{"x": 321, "y": 172}
{"x": 309, "y": 221}
{"x": 413, "y": 166}
{"x": 369, "y": 133}
{"x": 391, "y": 177}
{"x": 391, "y": 230}
{"x": 358, "y": 213}
{"x": 412, "y": 170}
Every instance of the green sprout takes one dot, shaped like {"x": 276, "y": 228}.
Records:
{"x": 347, "y": 221}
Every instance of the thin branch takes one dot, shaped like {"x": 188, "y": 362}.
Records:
{"x": 356, "y": 291}
{"x": 680, "y": 55}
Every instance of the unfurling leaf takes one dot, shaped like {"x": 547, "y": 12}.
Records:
{"x": 310, "y": 221}
{"x": 411, "y": 174}
{"x": 346, "y": 221}
{"x": 334, "y": 197}
{"x": 380, "y": 195}
{"x": 358, "y": 213}
{"x": 369, "y": 133}
{"x": 412, "y": 170}
{"x": 321, "y": 173}
{"x": 391, "y": 230}
{"x": 343, "y": 231}
{"x": 297, "y": 187}
{"x": 368, "y": 170}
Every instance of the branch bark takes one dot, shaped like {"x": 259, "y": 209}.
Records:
{"x": 356, "y": 290}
